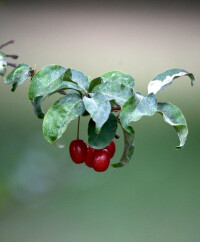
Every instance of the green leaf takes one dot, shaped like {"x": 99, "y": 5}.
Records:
{"x": 18, "y": 76}
{"x": 93, "y": 83}
{"x": 99, "y": 108}
{"x": 36, "y": 102}
{"x": 68, "y": 85}
{"x": 120, "y": 77}
{"x": 78, "y": 78}
{"x": 3, "y": 64}
{"x": 162, "y": 80}
{"x": 135, "y": 108}
{"x": 46, "y": 81}
{"x": 128, "y": 149}
{"x": 173, "y": 116}
{"x": 105, "y": 136}
{"x": 60, "y": 115}
{"x": 114, "y": 91}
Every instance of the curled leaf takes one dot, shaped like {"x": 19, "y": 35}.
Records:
{"x": 18, "y": 76}
{"x": 162, "y": 80}
{"x": 173, "y": 116}
{"x": 60, "y": 115}
{"x": 128, "y": 149}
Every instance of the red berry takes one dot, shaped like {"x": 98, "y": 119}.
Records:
{"x": 78, "y": 151}
{"x": 101, "y": 160}
{"x": 88, "y": 160}
{"x": 111, "y": 148}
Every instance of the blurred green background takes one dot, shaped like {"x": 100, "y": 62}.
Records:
{"x": 44, "y": 196}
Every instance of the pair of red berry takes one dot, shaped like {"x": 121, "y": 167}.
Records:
{"x": 99, "y": 160}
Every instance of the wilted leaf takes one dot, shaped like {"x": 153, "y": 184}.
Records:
{"x": 162, "y": 80}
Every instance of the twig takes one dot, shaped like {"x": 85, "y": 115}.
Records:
{"x": 116, "y": 108}
{"x": 12, "y": 56}
{"x": 11, "y": 64}
{"x": 7, "y": 43}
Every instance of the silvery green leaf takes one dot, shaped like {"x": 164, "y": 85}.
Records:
{"x": 18, "y": 76}
{"x": 78, "y": 78}
{"x": 128, "y": 149}
{"x": 173, "y": 116}
{"x": 114, "y": 91}
{"x": 37, "y": 102}
{"x": 60, "y": 115}
{"x": 120, "y": 77}
{"x": 135, "y": 108}
{"x": 162, "y": 80}
{"x": 46, "y": 80}
{"x": 99, "y": 108}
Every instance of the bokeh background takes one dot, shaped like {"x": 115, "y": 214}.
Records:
{"x": 44, "y": 196}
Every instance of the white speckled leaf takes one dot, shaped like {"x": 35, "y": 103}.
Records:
{"x": 173, "y": 116}
{"x": 135, "y": 108}
{"x": 119, "y": 77}
{"x": 162, "y": 80}
{"x": 128, "y": 149}
{"x": 46, "y": 81}
{"x": 18, "y": 76}
{"x": 60, "y": 115}
{"x": 99, "y": 108}
{"x": 78, "y": 78}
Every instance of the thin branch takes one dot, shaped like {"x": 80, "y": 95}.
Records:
{"x": 11, "y": 64}
{"x": 7, "y": 43}
{"x": 12, "y": 56}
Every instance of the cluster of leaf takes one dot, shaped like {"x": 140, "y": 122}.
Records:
{"x": 109, "y": 99}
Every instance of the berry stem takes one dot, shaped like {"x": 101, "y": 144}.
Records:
{"x": 7, "y": 43}
{"x": 78, "y": 127}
